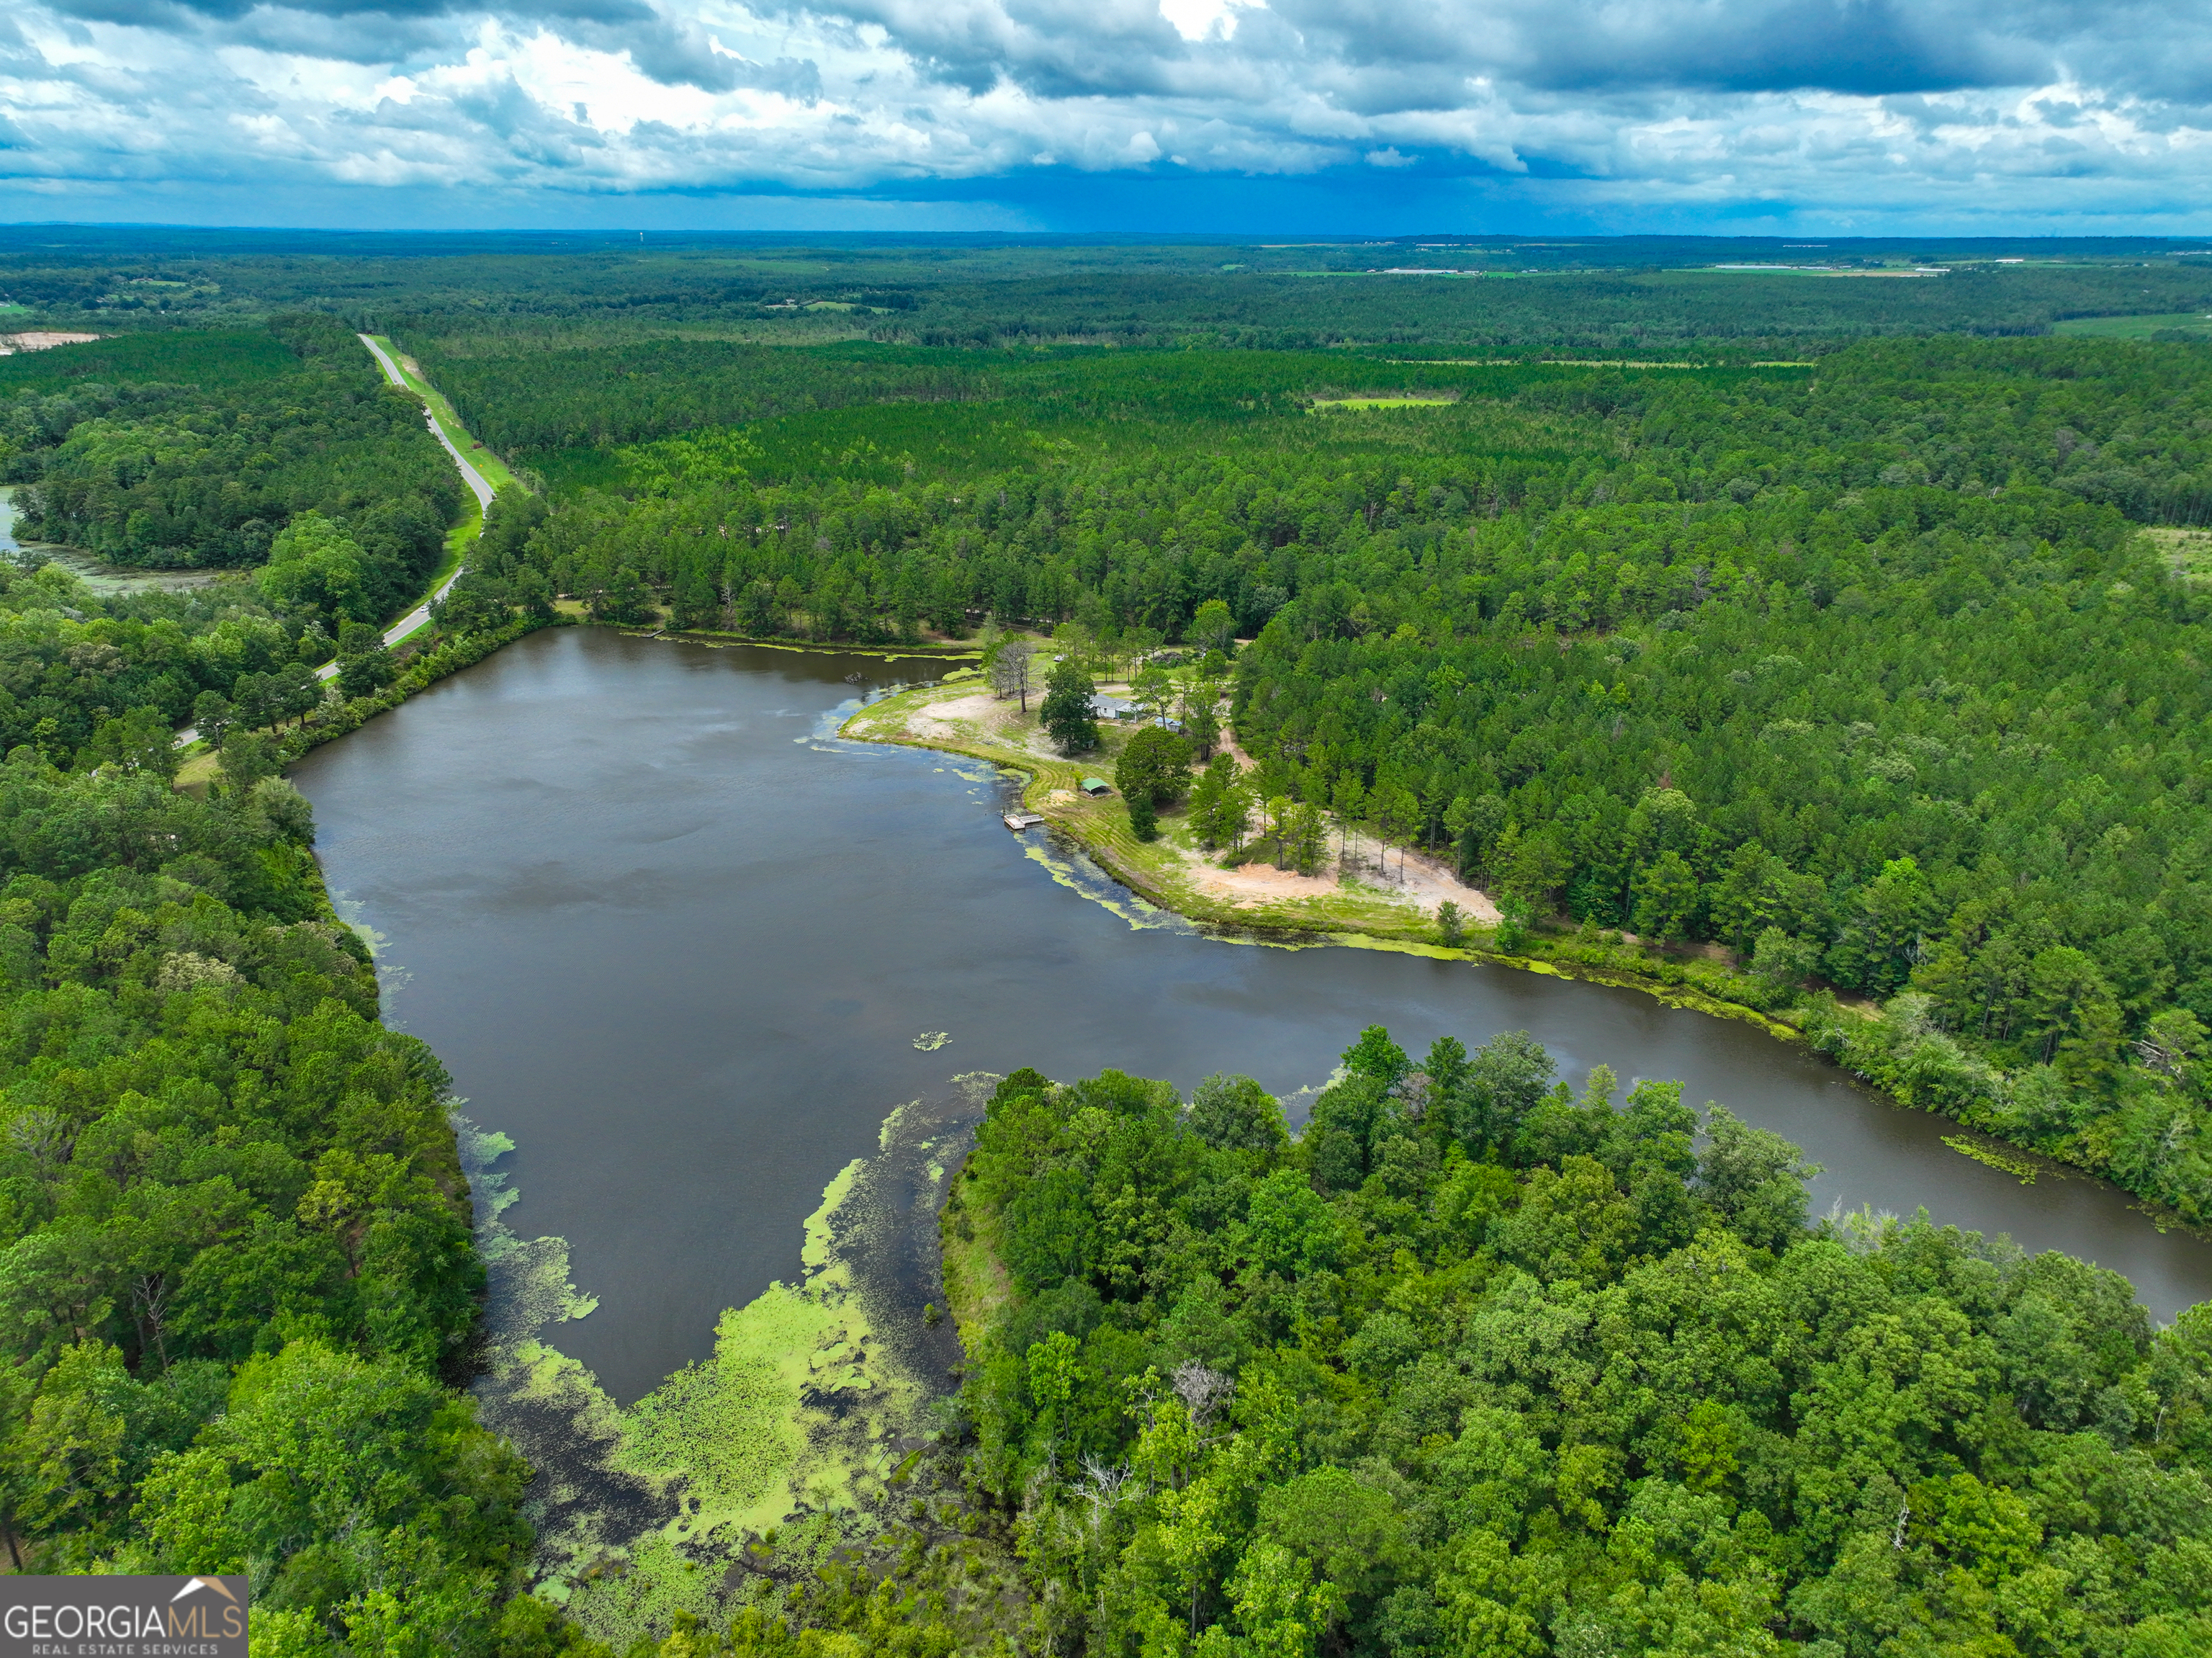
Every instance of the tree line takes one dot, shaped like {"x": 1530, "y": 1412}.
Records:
{"x": 1630, "y": 296}
{"x": 237, "y": 1276}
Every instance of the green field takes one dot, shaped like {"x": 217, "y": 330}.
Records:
{"x": 1381, "y": 403}
{"x": 2191, "y": 322}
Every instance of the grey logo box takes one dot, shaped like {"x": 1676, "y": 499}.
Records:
{"x": 123, "y": 1618}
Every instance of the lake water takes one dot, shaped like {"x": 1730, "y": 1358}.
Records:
{"x": 678, "y": 944}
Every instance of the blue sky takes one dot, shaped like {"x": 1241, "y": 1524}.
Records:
{"x": 1959, "y": 117}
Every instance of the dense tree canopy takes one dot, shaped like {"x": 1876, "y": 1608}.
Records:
{"x": 1478, "y": 1366}
{"x": 1861, "y": 666}
{"x": 237, "y": 1272}
{"x": 210, "y": 471}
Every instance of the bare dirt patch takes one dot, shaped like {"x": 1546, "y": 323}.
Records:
{"x": 41, "y": 340}
{"x": 1427, "y": 884}
{"x": 982, "y": 714}
{"x": 940, "y": 722}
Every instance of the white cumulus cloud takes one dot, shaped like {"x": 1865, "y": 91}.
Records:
{"x": 1859, "y": 111}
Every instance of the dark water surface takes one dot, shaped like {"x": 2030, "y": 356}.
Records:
{"x": 679, "y": 947}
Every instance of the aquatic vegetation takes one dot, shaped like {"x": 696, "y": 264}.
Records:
{"x": 753, "y": 1464}
{"x": 1074, "y": 870}
{"x": 2018, "y": 1166}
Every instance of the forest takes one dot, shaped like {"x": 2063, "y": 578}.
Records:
{"x": 1857, "y": 648}
{"x": 237, "y": 1276}
{"x": 1532, "y": 295}
{"x": 257, "y": 429}
{"x": 1865, "y": 672}
{"x": 1479, "y": 1366}
{"x": 238, "y": 1280}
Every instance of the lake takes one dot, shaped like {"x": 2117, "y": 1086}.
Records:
{"x": 679, "y": 943}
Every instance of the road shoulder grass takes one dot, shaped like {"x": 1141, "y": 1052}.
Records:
{"x": 496, "y": 472}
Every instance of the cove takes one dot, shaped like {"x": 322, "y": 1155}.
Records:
{"x": 678, "y": 944}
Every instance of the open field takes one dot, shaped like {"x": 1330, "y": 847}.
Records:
{"x": 2142, "y": 327}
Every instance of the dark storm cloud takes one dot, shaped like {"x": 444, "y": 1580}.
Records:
{"x": 1860, "y": 46}
{"x": 1367, "y": 56}
{"x": 1866, "y": 47}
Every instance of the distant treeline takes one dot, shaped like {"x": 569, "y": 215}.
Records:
{"x": 1596, "y": 297}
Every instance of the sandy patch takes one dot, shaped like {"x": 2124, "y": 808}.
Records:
{"x": 956, "y": 717}
{"x": 934, "y": 721}
{"x": 41, "y": 340}
{"x": 1249, "y": 884}
{"x": 1427, "y": 883}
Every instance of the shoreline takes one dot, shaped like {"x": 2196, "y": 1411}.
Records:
{"x": 1091, "y": 825}
{"x": 715, "y": 639}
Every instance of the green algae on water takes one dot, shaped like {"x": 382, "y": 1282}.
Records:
{"x": 779, "y": 1446}
{"x": 2006, "y": 1161}
{"x": 1078, "y": 874}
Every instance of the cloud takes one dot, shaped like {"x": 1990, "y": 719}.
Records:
{"x": 1616, "y": 110}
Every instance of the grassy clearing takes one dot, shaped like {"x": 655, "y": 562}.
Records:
{"x": 2196, "y": 322}
{"x": 1381, "y": 403}
{"x": 198, "y": 771}
{"x": 2186, "y": 551}
{"x": 975, "y": 1281}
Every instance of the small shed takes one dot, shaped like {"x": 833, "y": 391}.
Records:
{"x": 1095, "y": 786}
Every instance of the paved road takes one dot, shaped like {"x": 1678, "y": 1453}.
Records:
{"x": 475, "y": 479}
{"x": 419, "y": 615}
